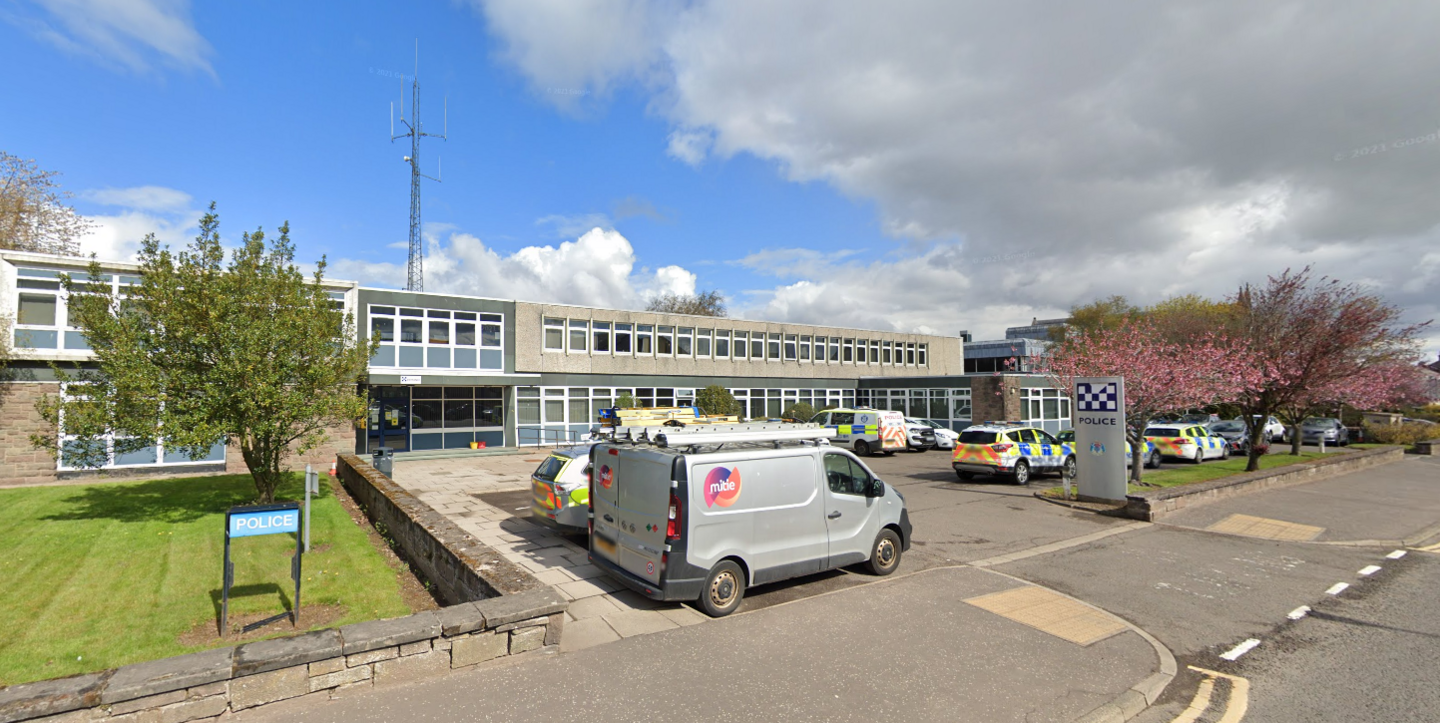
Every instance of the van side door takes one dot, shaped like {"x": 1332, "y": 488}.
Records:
{"x": 849, "y": 515}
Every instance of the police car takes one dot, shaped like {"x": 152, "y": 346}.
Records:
{"x": 1011, "y": 449}
{"x": 1151, "y": 455}
{"x": 1187, "y": 441}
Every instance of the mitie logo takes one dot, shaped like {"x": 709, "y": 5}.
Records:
{"x": 607, "y": 476}
{"x": 722, "y": 487}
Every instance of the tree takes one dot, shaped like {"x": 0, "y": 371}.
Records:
{"x": 716, "y": 399}
{"x": 626, "y": 401}
{"x": 251, "y": 353}
{"x": 1309, "y": 339}
{"x": 1160, "y": 375}
{"x": 705, "y": 303}
{"x": 799, "y": 411}
{"x": 1094, "y": 316}
{"x": 33, "y": 214}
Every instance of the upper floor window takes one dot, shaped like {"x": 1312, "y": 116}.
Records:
{"x": 644, "y": 335}
{"x": 622, "y": 338}
{"x": 849, "y": 350}
{"x": 684, "y": 341}
{"x": 772, "y": 348}
{"x": 665, "y": 341}
{"x": 885, "y": 352}
{"x": 804, "y": 348}
{"x": 601, "y": 334}
{"x": 874, "y": 351}
{"x": 860, "y": 347}
{"x": 790, "y": 347}
{"x": 579, "y": 329}
{"x": 437, "y": 338}
{"x": 554, "y": 334}
{"x": 910, "y": 353}
{"x": 757, "y": 345}
{"x": 703, "y": 340}
{"x": 722, "y": 344}
{"x": 835, "y": 349}
{"x": 742, "y": 344}
{"x": 921, "y": 354}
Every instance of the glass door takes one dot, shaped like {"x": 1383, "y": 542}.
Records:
{"x": 389, "y": 419}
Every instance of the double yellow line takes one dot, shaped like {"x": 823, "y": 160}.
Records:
{"x": 1235, "y": 706}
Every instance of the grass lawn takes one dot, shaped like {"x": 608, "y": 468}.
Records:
{"x": 98, "y": 576}
{"x": 1214, "y": 469}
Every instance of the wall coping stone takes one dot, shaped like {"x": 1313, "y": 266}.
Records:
{"x": 373, "y": 634}
{"x": 521, "y": 606}
{"x": 162, "y": 676}
{"x": 459, "y": 619}
{"x": 266, "y": 655}
{"x": 48, "y": 697}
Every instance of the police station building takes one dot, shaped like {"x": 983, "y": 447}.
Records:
{"x": 458, "y": 372}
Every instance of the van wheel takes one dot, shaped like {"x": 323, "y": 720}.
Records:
{"x": 724, "y": 589}
{"x": 1070, "y": 469}
{"x": 1022, "y": 473}
{"x": 885, "y": 556}
{"x": 862, "y": 448}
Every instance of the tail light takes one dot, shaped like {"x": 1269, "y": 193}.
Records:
{"x": 1003, "y": 447}
{"x": 590, "y": 501}
{"x": 672, "y": 525}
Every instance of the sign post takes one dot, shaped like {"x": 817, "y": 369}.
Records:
{"x": 1100, "y": 437}
{"x": 312, "y": 485}
{"x": 253, "y": 521}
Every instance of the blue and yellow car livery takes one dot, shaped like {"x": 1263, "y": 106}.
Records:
{"x": 1149, "y": 458}
{"x": 1187, "y": 441}
{"x": 1012, "y": 450}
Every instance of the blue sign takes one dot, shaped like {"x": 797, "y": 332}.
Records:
{"x": 269, "y": 522}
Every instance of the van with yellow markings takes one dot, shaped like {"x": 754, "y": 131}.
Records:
{"x": 865, "y": 430}
{"x": 560, "y": 490}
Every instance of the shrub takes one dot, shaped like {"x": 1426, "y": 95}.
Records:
{"x": 1406, "y": 434}
{"x": 716, "y": 399}
{"x": 799, "y": 411}
{"x": 626, "y": 401}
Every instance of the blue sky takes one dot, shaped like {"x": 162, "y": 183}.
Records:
{"x": 931, "y": 166}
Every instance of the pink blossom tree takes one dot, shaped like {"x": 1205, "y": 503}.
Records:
{"x": 1161, "y": 374}
{"x": 1383, "y": 385}
{"x": 1313, "y": 340}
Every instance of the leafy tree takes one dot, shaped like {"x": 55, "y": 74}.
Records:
{"x": 1312, "y": 339}
{"x": 716, "y": 399}
{"x": 250, "y": 352}
{"x": 1096, "y": 315}
{"x": 705, "y": 303}
{"x": 1161, "y": 375}
{"x": 799, "y": 411}
{"x": 626, "y": 401}
{"x": 33, "y": 214}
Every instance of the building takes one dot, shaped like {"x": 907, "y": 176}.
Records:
{"x": 454, "y": 371}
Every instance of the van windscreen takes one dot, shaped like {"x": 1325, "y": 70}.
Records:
{"x": 977, "y": 437}
{"x": 550, "y": 468}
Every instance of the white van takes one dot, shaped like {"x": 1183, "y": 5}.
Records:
{"x": 866, "y": 430}
{"x": 702, "y": 515}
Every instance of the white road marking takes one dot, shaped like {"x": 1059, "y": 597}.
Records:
{"x": 1368, "y": 570}
{"x": 1396, "y": 555}
{"x": 1337, "y": 588}
{"x": 1299, "y": 612}
{"x": 1234, "y": 653}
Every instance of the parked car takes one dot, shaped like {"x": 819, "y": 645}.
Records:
{"x": 1151, "y": 455}
{"x": 560, "y": 491}
{"x": 1012, "y": 450}
{"x": 1275, "y": 430}
{"x": 676, "y": 523}
{"x": 1198, "y": 418}
{"x": 1329, "y": 429}
{"x": 930, "y": 434}
{"x": 1234, "y": 433}
{"x": 1187, "y": 441}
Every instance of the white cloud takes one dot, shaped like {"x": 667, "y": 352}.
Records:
{"x": 597, "y": 269}
{"x": 141, "y": 210}
{"x": 132, "y": 34}
{"x": 689, "y": 146}
{"x": 568, "y": 227}
{"x": 143, "y": 198}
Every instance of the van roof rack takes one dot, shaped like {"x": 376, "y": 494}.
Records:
{"x": 724, "y": 433}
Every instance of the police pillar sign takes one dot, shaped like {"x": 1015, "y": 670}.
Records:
{"x": 1100, "y": 437}
{"x": 253, "y": 521}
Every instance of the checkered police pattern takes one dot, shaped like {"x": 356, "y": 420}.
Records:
{"x": 1096, "y": 398}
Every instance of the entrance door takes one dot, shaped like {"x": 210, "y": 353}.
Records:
{"x": 389, "y": 419}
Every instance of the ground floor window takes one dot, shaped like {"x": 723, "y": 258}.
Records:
{"x": 949, "y": 407}
{"x": 1048, "y": 409}
{"x": 406, "y": 418}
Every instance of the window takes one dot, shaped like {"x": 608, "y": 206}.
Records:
{"x": 579, "y": 330}
{"x": 874, "y": 351}
{"x": 834, "y": 349}
{"x": 601, "y": 334}
{"x": 938, "y": 407}
{"x": 622, "y": 338}
{"x": 37, "y": 309}
{"x": 385, "y": 328}
{"x": 885, "y": 352}
{"x": 644, "y": 334}
{"x": 464, "y": 334}
{"x": 439, "y": 332}
{"x": 554, "y": 334}
{"x": 790, "y": 347}
{"x": 722, "y": 344}
{"x": 684, "y": 341}
{"x": 844, "y": 476}
{"x": 860, "y": 347}
{"x": 742, "y": 344}
{"x": 923, "y": 348}
{"x": 960, "y": 404}
{"x": 702, "y": 343}
{"x": 804, "y": 348}
{"x": 579, "y": 403}
{"x": 665, "y": 341}
{"x": 490, "y": 330}
{"x": 527, "y": 405}
{"x": 772, "y": 349}
{"x": 411, "y": 331}
{"x": 437, "y": 339}
{"x": 910, "y": 353}
{"x": 849, "y": 350}
{"x": 757, "y": 344}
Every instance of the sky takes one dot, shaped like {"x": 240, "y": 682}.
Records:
{"x": 924, "y": 166}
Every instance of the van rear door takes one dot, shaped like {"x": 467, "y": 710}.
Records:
{"x": 632, "y": 502}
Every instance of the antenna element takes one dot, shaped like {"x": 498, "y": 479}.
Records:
{"x": 415, "y": 265}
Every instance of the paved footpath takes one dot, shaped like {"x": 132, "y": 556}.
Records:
{"x": 906, "y": 648}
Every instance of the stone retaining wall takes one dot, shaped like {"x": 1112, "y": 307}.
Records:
{"x": 1153, "y": 505}
{"x": 320, "y": 664}
{"x": 1428, "y": 447}
{"x": 460, "y": 568}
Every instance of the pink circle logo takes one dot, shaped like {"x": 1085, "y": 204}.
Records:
{"x": 607, "y": 477}
{"x": 722, "y": 487}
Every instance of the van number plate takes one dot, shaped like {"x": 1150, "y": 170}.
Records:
{"x": 605, "y": 545}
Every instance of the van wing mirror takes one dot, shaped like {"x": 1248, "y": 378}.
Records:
{"x": 876, "y": 488}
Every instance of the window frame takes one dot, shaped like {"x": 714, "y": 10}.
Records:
{"x": 581, "y": 327}
{"x": 549, "y": 324}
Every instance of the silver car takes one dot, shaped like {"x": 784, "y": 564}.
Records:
{"x": 1329, "y": 429}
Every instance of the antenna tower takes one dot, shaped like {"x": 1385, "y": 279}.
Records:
{"x": 415, "y": 130}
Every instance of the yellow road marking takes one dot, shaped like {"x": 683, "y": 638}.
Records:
{"x": 1238, "y": 702}
{"x": 1265, "y": 528}
{"x": 1052, "y": 613}
{"x": 1429, "y": 548}
{"x": 1198, "y": 704}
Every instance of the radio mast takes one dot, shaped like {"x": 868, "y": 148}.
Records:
{"x": 415, "y": 130}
